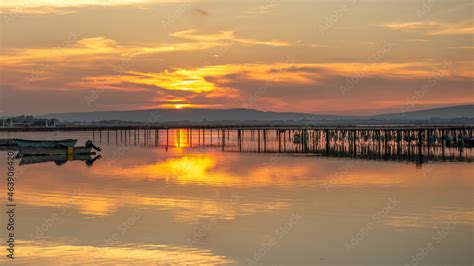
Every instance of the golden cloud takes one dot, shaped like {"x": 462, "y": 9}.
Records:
{"x": 198, "y": 80}
{"x": 219, "y": 82}
{"x": 433, "y": 27}
{"x": 454, "y": 30}
{"x": 84, "y": 53}
{"x": 412, "y": 25}
{"x": 95, "y": 48}
{"x": 224, "y": 36}
{"x": 218, "y": 79}
{"x": 92, "y": 49}
{"x": 61, "y": 7}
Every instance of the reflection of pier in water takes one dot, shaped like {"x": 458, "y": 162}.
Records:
{"x": 374, "y": 143}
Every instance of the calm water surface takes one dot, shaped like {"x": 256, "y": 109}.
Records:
{"x": 181, "y": 205}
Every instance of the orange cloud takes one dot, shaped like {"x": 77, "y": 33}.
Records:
{"x": 205, "y": 79}
{"x": 211, "y": 85}
{"x": 412, "y": 25}
{"x": 100, "y": 48}
{"x": 263, "y": 8}
{"x": 83, "y": 53}
{"x": 224, "y": 36}
{"x": 182, "y": 105}
{"x": 61, "y": 7}
{"x": 200, "y": 80}
{"x": 433, "y": 27}
{"x": 454, "y": 30}
{"x": 91, "y": 49}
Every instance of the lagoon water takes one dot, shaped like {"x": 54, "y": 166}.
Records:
{"x": 147, "y": 205}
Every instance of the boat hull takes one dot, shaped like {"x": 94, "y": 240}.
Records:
{"x": 45, "y": 143}
{"x": 26, "y": 151}
{"x": 58, "y": 159}
{"x": 7, "y": 142}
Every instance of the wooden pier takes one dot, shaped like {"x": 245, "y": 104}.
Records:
{"x": 386, "y": 142}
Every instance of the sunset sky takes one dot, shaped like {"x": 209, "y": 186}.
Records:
{"x": 326, "y": 57}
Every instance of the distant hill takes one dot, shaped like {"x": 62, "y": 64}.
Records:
{"x": 210, "y": 115}
{"x": 190, "y": 115}
{"x": 452, "y": 112}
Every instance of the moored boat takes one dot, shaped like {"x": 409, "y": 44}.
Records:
{"x": 59, "y": 149}
{"x": 7, "y": 142}
{"x": 69, "y": 151}
{"x": 45, "y": 143}
{"x": 58, "y": 159}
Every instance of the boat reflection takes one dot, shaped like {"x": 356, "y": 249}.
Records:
{"x": 59, "y": 160}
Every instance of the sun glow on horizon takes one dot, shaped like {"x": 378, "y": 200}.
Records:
{"x": 211, "y": 55}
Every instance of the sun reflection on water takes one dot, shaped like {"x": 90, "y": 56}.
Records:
{"x": 57, "y": 253}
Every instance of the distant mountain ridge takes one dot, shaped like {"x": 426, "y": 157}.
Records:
{"x": 461, "y": 111}
{"x": 189, "y": 115}
{"x": 199, "y": 115}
